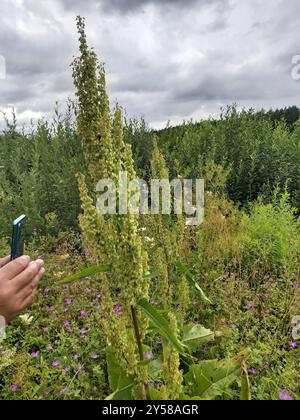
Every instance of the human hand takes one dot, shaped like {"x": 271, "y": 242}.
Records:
{"x": 18, "y": 284}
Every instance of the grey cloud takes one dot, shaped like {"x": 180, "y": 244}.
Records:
{"x": 179, "y": 59}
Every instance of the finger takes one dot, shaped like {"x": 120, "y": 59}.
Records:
{"x": 13, "y": 268}
{"x": 4, "y": 261}
{"x": 26, "y": 277}
{"x": 26, "y": 291}
{"x": 28, "y": 300}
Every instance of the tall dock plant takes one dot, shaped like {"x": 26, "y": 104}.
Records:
{"x": 121, "y": 261}
{"x": 111, "y": 239}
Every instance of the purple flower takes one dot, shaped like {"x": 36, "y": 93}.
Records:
{"x": 83, "y": 314}
{"x": 252, "y": 371}
{"x": 76, "y": 356}
{"x": 71, "y": 330}
{"x": 250, "y": 306}
{"x": 293, "y": 345}
{"x": 14, "y": 388}
{"x": 95, "y": 356}
{"x": 226, "y": 276}
{"x": 47, "y": 291}
{"x": 66, "y": 370}
{"x": 118, "y": 310}
{"x": 79, "y": 367}
{"x": 66, "y": 323}
{"x": 148, "y": 356}
{"x": 285, "y": 396}
{"x": 35, "y": 354}
{"x": 83, "y": 332}
{"x": 69, "y": 301}
{"x": 152, "y": 302}
{"x": 56, "y": 363}
{"x": 66, "y": 310}
{"x": 63, "y": 391}
{"x": 51, "y": 309}
{"x": 49, "y": 347}
{"x": 66, "y": 287}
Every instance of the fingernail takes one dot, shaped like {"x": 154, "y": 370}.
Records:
{"x": 25, "y": 259}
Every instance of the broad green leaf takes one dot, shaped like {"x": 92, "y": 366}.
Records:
{"x": 189, "y": 276}
{"x": 195, "y": 336}
{"x": 116, "y": 396}
{"x": 211, "y": 379}
{"x": 245, "y": 384}
{"x": 87, "y": 272}
{"x": 162, "y": 325}
{"x": 154, "y": 395}
{"x": 121, "y": 384}
{"x": 184, "y": 397}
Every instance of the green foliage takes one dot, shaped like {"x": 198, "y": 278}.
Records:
{"x": 160, "y": 303}
{"x": 162, "y": 325}
{"x": 270, "y": 241}
{"x": 212, "y": 379}
{"x": 119, "y": 381}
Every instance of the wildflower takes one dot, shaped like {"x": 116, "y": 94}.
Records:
{"x": 83, "y": 314}
{"x": 69, "y": 301}
{"x": 152, "y": 302}
{"x": 285, "y": 396}
{"x": 66, "y": 287}
{"x": 51, "y": 309}
{"x": 95, "y": 356}
{"x": 76, "y": 356}
{"x": 66, "y": 323}
{"x": 49, "y": 347}
{"x": 66, "y": 310}
{"x": 79, "y": 367}
{"x": 118, "y": 310}
{"x": 148, "y": 355}
{"x": 14, "y": 388}
{"x": 66, "y": 370}
{"x": 26, "y": 319}
{"x": 83, "y": 331}
{"x": 35, "y": 354}
{"x": 47, "y": 291}
{"x": 71, "y": 330}
{"x": 250, "y": 306}
{"x": 56, "y": 363}
{"x": 63, "y": 391}
{"x": 293, "y": 345}
{"x": 252, "y": 371}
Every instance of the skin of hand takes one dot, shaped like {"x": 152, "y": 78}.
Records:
{"x": 19, "y": 280}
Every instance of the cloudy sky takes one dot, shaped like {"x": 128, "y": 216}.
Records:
{"x": 166, "y": 60}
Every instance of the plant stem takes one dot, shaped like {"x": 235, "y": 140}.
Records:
{"x": 140, "y": 345}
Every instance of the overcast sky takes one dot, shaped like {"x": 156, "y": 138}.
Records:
{"x": 165, "y": 59}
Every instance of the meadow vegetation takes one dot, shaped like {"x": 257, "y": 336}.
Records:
{"x": 164, "y": 310}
